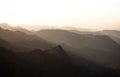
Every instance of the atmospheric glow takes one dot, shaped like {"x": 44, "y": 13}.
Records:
{"x": 84, "y": 13}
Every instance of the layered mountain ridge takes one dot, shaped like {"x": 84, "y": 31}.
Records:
{"x": 58, "y": 53}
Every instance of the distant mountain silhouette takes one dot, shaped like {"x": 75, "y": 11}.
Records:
{"x": 115, "y": 35}
{"x": 101, "y": 42}
{"x": 8, "y": 27}
{"x": 21, "y": 39}
{"x": 22, "y": 30}
{"x": 82, "y": 32}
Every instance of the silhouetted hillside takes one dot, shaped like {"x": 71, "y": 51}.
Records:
{"x": 21, "y": 39}
{"x": 115, "y": 35}
{"x": 71, "y": 55}
{"x": 8, "y": 27}
{"x": 50, "y": 63}
{"x": 36, "y": 64}
{"x": 4, "y": 43}
{"x": 100, "y": 42}
{"x": 82, "y": 32}
{"x": 7, "y": 62}
{"x": 98, "y": 48}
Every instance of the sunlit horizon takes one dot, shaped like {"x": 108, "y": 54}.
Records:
{"x": 93, "y": 14}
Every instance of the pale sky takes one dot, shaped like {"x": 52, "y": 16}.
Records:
{"x": 80, "y": 13}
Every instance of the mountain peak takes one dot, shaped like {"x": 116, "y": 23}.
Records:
{"x": 59, "y": 47}
{"x": 56, "y": 50}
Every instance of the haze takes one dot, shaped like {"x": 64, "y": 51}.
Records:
{"x": 94, "y": 14}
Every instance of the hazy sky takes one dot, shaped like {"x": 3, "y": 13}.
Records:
{"x": 82, "y": 13}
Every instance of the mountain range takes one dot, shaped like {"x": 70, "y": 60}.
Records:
{"x": 58, "y": 53}
{"x": 21, "y": 39}
{"x": 115, "y": 35}
{"x": 101, "y": 47}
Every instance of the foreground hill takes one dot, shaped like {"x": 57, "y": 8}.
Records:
{"x": 50, "y": 63}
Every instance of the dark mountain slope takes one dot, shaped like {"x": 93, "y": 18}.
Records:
{"x": 115, "y": 35}
{"x": 50, "y": 63}
{"x": 21, "y": 39}
{"x": 5, "y": 44}
{"x": 100, "y": 42}
{"x": 97, "y": 48}
{"x": 7, "y": 62}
